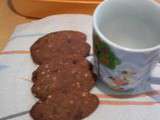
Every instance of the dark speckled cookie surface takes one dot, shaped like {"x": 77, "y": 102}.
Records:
{"x": 59, "y": 43}
{"x": 64, "y": 78}
{"x": 89, "y": 103}
{"x": 69, "y": 77}
{"x": 59, "y": 106}
{"x": 58, "y": 64}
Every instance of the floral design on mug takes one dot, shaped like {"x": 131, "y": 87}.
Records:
{"x": 104, "y": 54}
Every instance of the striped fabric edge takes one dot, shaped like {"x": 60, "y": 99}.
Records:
{"x": 14, "y": 52}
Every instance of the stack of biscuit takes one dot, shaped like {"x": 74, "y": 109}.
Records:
{"x": 64, "y": 78}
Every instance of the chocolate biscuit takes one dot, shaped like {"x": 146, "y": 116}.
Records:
{"x": 57, "y": 107}
{"x": 69, "y": 77}
{"x": 64, "y": 77}
{"x": 73, "y": 106}
{"x": 58, "y": 64}
{"x": 59, "y": 43}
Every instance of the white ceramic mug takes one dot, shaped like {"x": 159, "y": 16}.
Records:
{"x": 126, "y": 41}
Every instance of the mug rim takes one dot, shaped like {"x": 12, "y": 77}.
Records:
{"x": 105, "y": 39}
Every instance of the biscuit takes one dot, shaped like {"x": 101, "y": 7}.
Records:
{"x": 89, "y": 103}
{"x": 73, "y": 106}
{"x": 65, "y": 79}
{"x": 59, "y": 107}
{"x": 58, "y": 64}
{"x": 60, "y": 43}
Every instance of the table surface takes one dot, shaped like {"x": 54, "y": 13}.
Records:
{"x": 8, "y": 21}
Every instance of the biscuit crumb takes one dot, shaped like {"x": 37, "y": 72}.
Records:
{"x": 84, "y": 94}
{"x": 43, "y": 73}
{"x": 78, "y": 84}
{"x": 38, "y": 88}
{"x": 86, "y": 75}
{"x": 46, "y": 66}
{"x": 49, "y": 46}
{"x": 71, "y": 102}
{"x": 49, "y": 96}
{"x": 48, "y": 76}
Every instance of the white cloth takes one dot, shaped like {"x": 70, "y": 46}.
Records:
{"x": 16, "y": 68}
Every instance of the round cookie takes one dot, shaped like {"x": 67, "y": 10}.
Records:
{"x": 59, "y": 43}
{"x": 58, "y": 64}
{"x": 72, "y": 106}
{"x": 59, "y": 107}
{"x": 65, "y": 79}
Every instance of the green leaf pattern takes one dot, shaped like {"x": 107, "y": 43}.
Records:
{"x": 104, "y": 53}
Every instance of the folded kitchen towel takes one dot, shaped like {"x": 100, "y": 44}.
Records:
{"x": 16, "y": 67}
